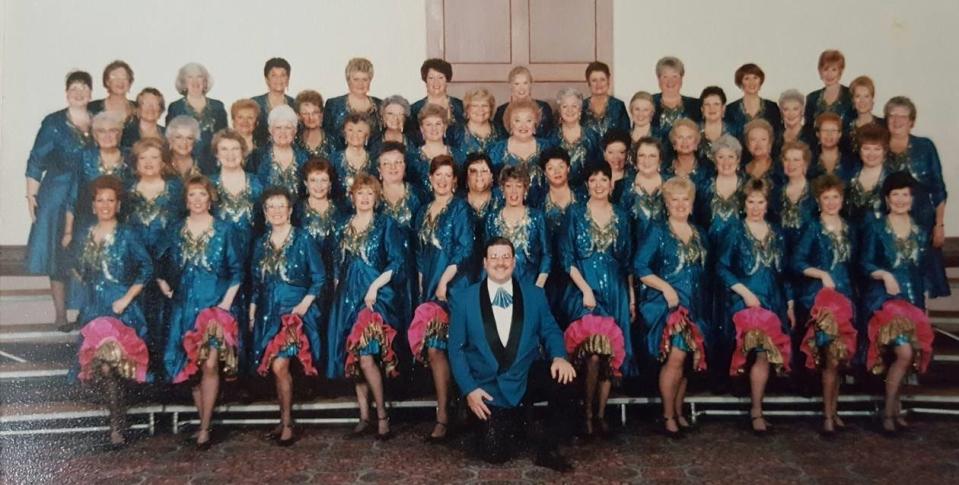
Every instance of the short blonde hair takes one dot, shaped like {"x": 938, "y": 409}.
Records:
{"x": 229, "y": 134}
{"x": 683, "y": 123}
{"x": 679, "y": 185}
{"x": 759, "y": 124}
{"x": 359, "y": 64}
{"x": 432, "y": 110}
{"x": 242, "y": 104}
{"x": 479, "y": 94}
{"x": 670, "y": 62}
{"x": 366, "y": 180}
{"x": 520, "y": 105}
{"x": 516, "y": 71}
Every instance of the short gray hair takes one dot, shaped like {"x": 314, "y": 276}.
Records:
{"x": 184, "y": 123}
{"x": 396, "y": 99}
{"x": 792, "y": 95}
{"x": 567, "y": 92}
{"x": 728, "y": 142}
{"x": 107, "y": 118}
{"x": 672, "y": 63}
{"x": 193, "y": 68}
{"x": 282, "y": 114}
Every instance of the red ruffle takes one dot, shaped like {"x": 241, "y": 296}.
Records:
{"x": 679, "y": 323}
{"x": 291, "y": 331}
{"x": 759, "y": 327}
{"x": 831, "y": 312}
{"x": 370, "y": 326}
{"x": 196, "y": 338}
{"x": 430, "y": 319}
{"x": 133, "y": 359}
{"x": 597, "y": 335}
{"x": 901, "y": 318}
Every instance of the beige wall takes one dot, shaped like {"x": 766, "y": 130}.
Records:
{"x": 905, "y": 46}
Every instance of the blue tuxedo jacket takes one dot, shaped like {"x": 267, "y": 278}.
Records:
{"x": 477, "y": 356}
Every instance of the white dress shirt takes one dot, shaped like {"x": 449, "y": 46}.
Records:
{"x": 503, "y": 316}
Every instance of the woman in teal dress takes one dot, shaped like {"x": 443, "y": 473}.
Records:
{"x": 113, "y": 266}
{"x": 643, "y": 199}
{"x": 432, "y": 121}
{"x": 830, "y": 156}
{"x": 601, "y": 110}
{"x": 670, "y": 260}
{"x": 288, "y": 276}
{"x": 669, "y": 102}
{"x": 791, "y": 204}
{"x": 760, "y": 160}
{"x": 555, "y": 162}
{"x": 751, "y": 265}
{"x": 368, "y": 258}
{"x": 718, "y": 207}
{"x": 436, "y": 74}
{"x": 359, "y": 75}
{"x": 824, "y": 257}
{"x": 182, "y": 134}
{"x": 522, "y": 148}
{"x": 401, "y": 201}
{"x": 276, "y": 73}
{"x": 615, "y": 147}
{"x": 521, "y": 90}
{"x": 892, "y": 264}
{"x": 394, "y": 113}
{"x": 833, "y": 96}
{"x": 193, "y": 81}
{"x": 580, "y": 142}
{"x": 149, "y": 108}
{"x": 201, "y": 269}
{"x": 310, "y": 136}
{"x": 444, "y": 247}
{"x": 354, "y": 159}
{"x": 595, "y": 248}
{"x": 154, "y": 201}
{"x": 713, "y": 125}
{"x": 117, "y": 80}
{"x": 524, "y": 226}
{"x": 684, "y": 138}
{"x": 918, "y": 156}
{"x": 863, "y": 194}
{"x": 750, "y": 78}
{"x": 477, "y": 133}
{"x": 484, "y": 199}
{"x": 278, "y": 163}
{"x": 51, "y": 176}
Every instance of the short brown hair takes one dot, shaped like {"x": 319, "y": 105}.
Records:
{"x": 514, "y": 173}
{"x": 117, "y": 64}
{"x": 863, "y": 82}
{"x": 824, "y": 183}
{"x": 597, "y": 66}
{"x": 200, "y": 181}
{"x": 797, "y": 145}
{"x": 106, "y": 182}
{"x": 827, "y": 117}
{"x": 832, "y": 56}
{"x": 308, "y": 96}
{"x": 432, "y": 110}
{"x": 749, "y": 68}
{"x": 318, "y": 164}
{"x": 441, "y": 161}
{"x": 873, "y": 134}
{"x": 155, "y": 92}
{"x": 479, "y": 94}
{"x": 438, "y": 65}
{"x": 755, "y": 185}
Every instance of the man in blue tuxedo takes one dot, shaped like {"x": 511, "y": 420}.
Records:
{"x": 495, "y": 334}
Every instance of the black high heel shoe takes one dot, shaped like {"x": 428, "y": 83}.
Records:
{"x": 284, "y": 443}
{"x": 438, "y": 439}
{"x": 204, "y": 446}
{"x": 668, "y": 432}
{"x": 362, "y": 428}
{"x": 756, "y": 431}
{"x": 384, "y": 436}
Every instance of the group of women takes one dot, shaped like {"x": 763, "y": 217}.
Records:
{"x": 678, "y": 232}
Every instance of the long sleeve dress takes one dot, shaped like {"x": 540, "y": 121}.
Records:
{"x": 615, "y": 117}
{"x": 361, "y": 257}
{"x": 346, "y": 174}
{"x": 500, "y": 157}
{"x": 737, "y": 117}
{"x": 581, "y": 152}
{"x": 757, "y": 264}
{"x": 403, "y": 214}
{"x": 282, "y": 277}
{"x": 682, "y": 266}
{"x": 200, "y": 270}
{"x": 273, "y": 175}
{"x": 90, "y": 168}
{"x": 602, "y": 256}
{"x": 53, "y": 162}
{"x": 442, "y": 241}
{"x": 106, "y": 270}
{"x": 334, "y": 117}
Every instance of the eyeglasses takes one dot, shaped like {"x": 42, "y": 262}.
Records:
{"x": 479, "y": 171}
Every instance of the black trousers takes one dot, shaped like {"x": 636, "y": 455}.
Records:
{"x": 508, "y": 430}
